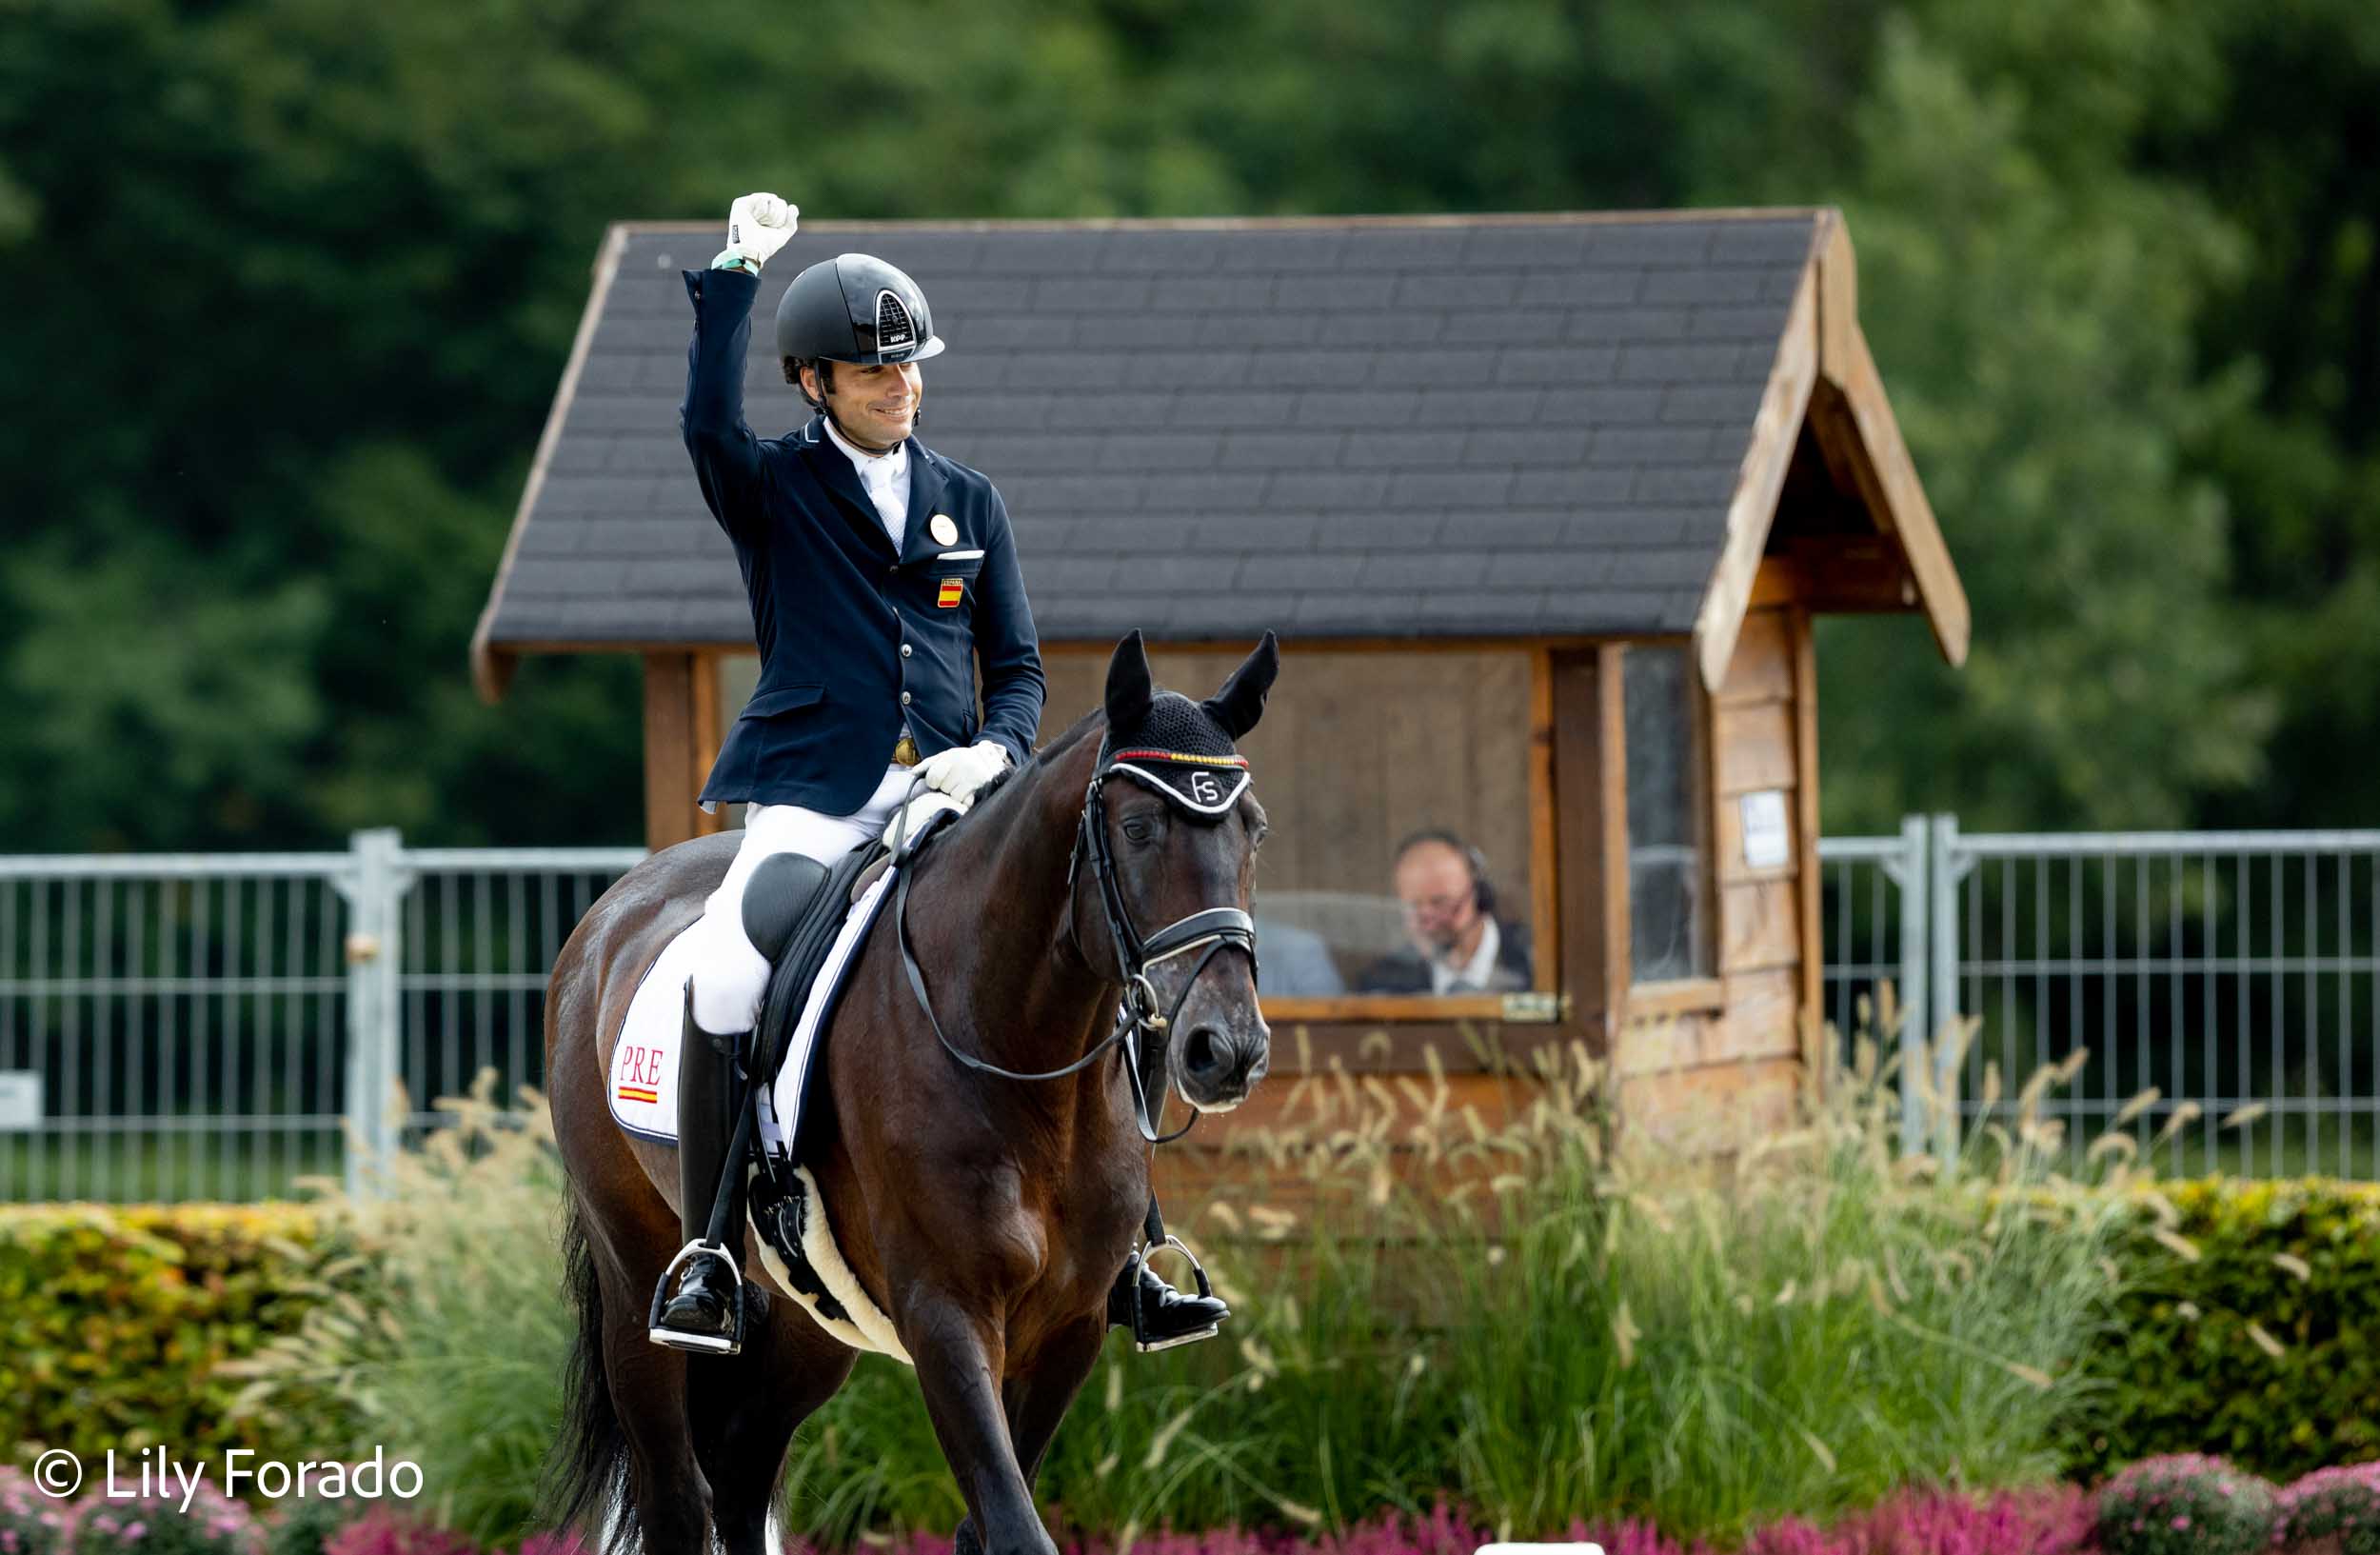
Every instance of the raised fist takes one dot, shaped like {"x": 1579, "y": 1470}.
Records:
{"x": 758, "y": 225}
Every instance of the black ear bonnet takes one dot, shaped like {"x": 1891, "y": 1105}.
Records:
{"x": 1179, "y": 748}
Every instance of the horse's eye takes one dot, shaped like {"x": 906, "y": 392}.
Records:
{"x": 1140, "y": 828}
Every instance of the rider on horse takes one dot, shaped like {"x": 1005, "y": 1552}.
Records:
{"x": 880, "y": 574}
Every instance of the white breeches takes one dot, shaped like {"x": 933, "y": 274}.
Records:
{"x": 729, "y": 974}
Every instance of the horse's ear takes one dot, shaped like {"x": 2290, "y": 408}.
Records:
{"x": 1240, "y": 702}
{"x": 1129, "y": 685}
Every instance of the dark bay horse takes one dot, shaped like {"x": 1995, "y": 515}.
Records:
{"x": 986, "y": 1217}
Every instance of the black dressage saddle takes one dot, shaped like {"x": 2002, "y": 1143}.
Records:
{"x": 793, "y": 910}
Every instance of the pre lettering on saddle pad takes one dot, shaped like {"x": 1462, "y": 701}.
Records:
{"x": 643, "y": 1090}
{"x": 644, "y": 1084}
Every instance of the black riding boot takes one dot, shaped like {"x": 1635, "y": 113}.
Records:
{"x": 704, "y": 1309}
{"x": 1160, "y": 1316}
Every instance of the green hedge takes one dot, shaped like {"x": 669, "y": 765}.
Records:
{"x": 114, "y": 1319}
{"x": 2288, "y": 1265}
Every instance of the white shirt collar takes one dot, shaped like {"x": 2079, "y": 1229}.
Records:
{"x": 888, "y": 466}
{"x": 1478, "y": 970}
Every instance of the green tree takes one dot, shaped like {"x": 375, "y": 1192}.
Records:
{"x": 271, "y": 243}
{"x": 293, "y": 283}
{"x": 2285, "y": 141}
{"x": 2030, "y": 298}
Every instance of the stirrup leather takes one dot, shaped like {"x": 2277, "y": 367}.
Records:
{"x": 1140, "y": 1255}
{"x": 697, "y": 1344}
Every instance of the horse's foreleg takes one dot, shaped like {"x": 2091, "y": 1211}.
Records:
{"x": 958, "y": 1360}
{"x": 1039, "y": 1397}
{"x": 1037, "y": 1400}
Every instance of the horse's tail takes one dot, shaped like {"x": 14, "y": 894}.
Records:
{"x": 587, "y": 1469}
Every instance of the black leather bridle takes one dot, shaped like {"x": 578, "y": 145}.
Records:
{"x": 1212, "y": 931}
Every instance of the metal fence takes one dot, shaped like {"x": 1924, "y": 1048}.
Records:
{"x": 215, "y": 1027}
{"x": 2236, "y": 975}
{"x": 1874, "y": 924}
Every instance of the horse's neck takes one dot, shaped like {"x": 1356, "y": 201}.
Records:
{"x": 1031, "y": 1004}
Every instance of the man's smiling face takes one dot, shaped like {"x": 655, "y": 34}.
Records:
{"x": 876, "y": 406}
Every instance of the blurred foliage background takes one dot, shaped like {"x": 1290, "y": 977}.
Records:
{"x": 292, "y": 283}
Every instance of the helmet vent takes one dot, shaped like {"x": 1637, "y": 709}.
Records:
{"x": 895, "y": 330}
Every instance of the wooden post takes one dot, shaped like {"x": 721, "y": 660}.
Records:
{"x": 1805, "y": 646}
{"x": 704, "y": 734}
{"x": 1591, "y": 788}
{"x": 1544, "y": 805}
{"x": 670, "y": 781}
{"x": 1611, "y": 749}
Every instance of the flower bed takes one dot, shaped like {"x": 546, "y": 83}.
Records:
{"x": 2335, "y": 1511}
{"x": 2176, "y": 1506}
{"x": 30, "y": 1523}
{"x": 2186, "y": 1505}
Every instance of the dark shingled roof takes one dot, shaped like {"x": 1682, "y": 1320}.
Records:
{"x": 1384, "y": 428}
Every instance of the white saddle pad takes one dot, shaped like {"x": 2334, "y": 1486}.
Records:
{"x": 643, "y": 1081}
{"x": 644, "y": 1093}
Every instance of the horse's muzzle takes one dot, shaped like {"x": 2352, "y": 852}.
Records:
{"x": 1216, "y": 1067}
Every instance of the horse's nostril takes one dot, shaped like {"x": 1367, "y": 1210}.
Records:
{"x": 1203, "y": 1050}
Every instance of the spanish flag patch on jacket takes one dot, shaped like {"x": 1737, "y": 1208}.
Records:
{"x": 953, "y": 590}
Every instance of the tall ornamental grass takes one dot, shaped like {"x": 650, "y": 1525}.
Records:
{"x": 452, "y": 1356}
{"x": 1543, "y": 1319}
{"x": 1552, "y": 1325}
{"x": 1799, "y": 1329}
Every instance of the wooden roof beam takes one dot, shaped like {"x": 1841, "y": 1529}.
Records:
{"x": 1758, "y": 482}
{"x": 1823, "y": 373}
{"x": 1860, "y": 435}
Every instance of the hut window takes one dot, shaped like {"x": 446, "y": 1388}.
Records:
{"x": 1399, "y": 785}
{"x": 1668, "y": 857}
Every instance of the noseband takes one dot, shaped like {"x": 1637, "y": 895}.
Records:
{"x": 1211, "y": 931}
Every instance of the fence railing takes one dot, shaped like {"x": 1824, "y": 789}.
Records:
{"x": 2234, "y": 974}
{"x": 216, "y": 1026}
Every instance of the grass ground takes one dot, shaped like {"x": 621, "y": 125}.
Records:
{"x": 164, "y": 1165}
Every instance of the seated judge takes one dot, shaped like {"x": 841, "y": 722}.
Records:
{"x": 1458, "y": 945}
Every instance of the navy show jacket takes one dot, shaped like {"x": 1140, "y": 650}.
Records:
{"x": 856, "y": 643}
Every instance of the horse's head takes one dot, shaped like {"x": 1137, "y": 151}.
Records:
{"x": 1181, "y": 825}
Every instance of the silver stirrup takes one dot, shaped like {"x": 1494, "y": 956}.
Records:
{"x": 695, "y": 1344}
{"x": 1197, "y": 1274}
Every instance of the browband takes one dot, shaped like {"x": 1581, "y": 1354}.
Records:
{"x": 1206, "y": 786}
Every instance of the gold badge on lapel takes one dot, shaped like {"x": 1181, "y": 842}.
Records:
{"x": 945, "y": 531}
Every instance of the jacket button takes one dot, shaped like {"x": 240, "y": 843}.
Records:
{"x": 904, "y": 699}
{"x": 905, "y": 650}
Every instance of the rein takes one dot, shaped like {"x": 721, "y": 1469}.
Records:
{"x": 1213, "y": 929}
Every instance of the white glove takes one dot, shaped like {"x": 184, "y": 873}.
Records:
{"x": 962, "y": 770}
{"x": 758, "y": 225}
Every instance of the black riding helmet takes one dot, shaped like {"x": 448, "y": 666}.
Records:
{"x": 855, "y": 307}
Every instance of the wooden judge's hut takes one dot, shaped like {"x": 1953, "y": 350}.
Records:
{"x": 1542, "y": 505}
